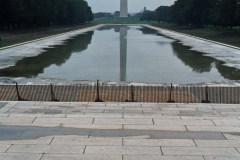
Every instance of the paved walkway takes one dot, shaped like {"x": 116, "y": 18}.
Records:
{"x": 124, "y": 131}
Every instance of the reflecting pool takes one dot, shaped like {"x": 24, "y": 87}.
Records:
{"x": 123, "y": 54}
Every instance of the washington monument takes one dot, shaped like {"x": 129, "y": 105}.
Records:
{"x": 124, "y": 8}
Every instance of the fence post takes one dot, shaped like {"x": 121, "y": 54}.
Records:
{"x": 132, "y": 91}
{"x": 220, "y": 95}
{"x": 18, "y": 95}
{"x": 170, "y": 95}
{"x": 53, "y": 98}
{"x": 98, "y": 95}
{"x": 206, "y": 96}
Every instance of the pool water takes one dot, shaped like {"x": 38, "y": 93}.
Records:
{"x": 123, "y": 54}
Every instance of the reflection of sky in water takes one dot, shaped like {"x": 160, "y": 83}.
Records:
{"x": 123, "y": 53}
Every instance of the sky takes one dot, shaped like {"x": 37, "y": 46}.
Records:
{"x": 133, "y": 5}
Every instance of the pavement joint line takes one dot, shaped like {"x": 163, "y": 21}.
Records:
{"x": 212, "y": 106}
{"x": 34, "y": 119}
{"x": 177, "y": 105}
{"x": 213, "y": 122}
{"x": 10, "y": 109}
{"x": 195, "y": 142}
{"x": 51, "y": 141}
{"x": 161, "y": 150}
{"x": 84, "y": 150}
{"x": 67, "y": 110}
{"x": 88, "y": 136}
{"x": 42, "y": 156}
{"x": 153, "y": 121}
{"x": 224, "y": 136}
{"x": 8, "y": 148}
{"x": 237, "y": 150}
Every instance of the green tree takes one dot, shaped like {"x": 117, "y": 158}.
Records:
{"x": 163, "y": 14}
{"x": 224, "y": 13}
{"x": 179, "y": 10}
{"x": 42, "y": 13}
{"x": 149, "y": 16}
{"x": 89, "y": 15}
{"x": 237, "y": 14}
{"x": 194, "y": 12}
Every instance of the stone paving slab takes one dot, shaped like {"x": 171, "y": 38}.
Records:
{"x": 224, "y": 122}
{"x": 198, "y": 151}
{"x": 95, "y": 115}
{"x": 221, "y": 158}
{"x": 63, "y": 157}
{"x": 156, "y": 127}
{"x": 63, "y": 120}
{"x": 64, "y": 148}
{"x": 208, "y": 118}
{"x": 149, "y": 116}
{"x": 122, "y": 150}
{"x": 124, "y": 121}
{"x": 80, "y": 157}
{"x": 218, "y": 143}
{"x": 20, "y": 156}
{"x": 93, "y": 141}
{"x": 160, "y": 157}
{"x": 160, "y": 142}
{"x": 12, "y": 120}
{"x": 118, "y": 131}
{"x": 39, "y": 115}
{"x": 183, "y": 122}
{"x": 214, "y": 128}
{"x": 41, "y": 140}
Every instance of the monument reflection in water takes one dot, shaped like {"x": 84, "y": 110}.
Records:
{"x": 123, "y": 53}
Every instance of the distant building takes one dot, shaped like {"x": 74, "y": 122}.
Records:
{"x": 124, "y": 8}
{"x": 145, "y": 8}
{"x": 116, "y": 14}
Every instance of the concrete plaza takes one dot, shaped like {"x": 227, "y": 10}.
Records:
{"x": 118, "y": 131}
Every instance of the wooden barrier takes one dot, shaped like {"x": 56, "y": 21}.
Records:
{"x": 120, "y": 93}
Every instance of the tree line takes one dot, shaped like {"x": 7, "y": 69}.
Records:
{"x": 224, "y": 13}
{"x": 15, "y": 14}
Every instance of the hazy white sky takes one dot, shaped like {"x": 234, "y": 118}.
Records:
{"x": 133, "y": 5}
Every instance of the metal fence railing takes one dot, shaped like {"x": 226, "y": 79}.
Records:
{"x": 120, "y": 93}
